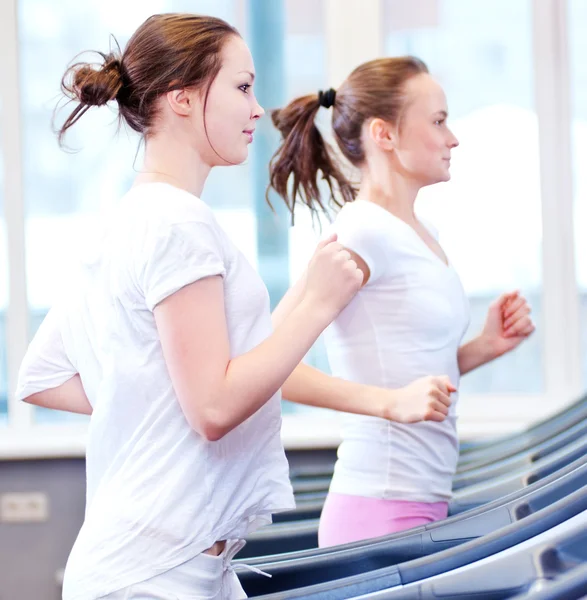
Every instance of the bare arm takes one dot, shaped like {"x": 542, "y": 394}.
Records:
{"x": 474, "y": 354}
{"x": 507, "y": 325}
{"x": 69, "y": 396}
{"x": 425, "y": 399}
{"x": 310, "y": 386}
{"x": 48, "y": 368}
{"x": 218, "y": 393}
{"x": 290, "y": 300}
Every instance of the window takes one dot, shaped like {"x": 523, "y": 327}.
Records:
{"x": 489, "y": 214}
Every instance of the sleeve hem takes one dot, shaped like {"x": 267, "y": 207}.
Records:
{"x": 157, "y": 295}
{"x": 28, "y": 389}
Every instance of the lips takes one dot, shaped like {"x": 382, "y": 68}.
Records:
{"x": 249, "y": 133}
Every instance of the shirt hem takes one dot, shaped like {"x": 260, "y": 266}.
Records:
{"x": 233, "y": 529}
{"x": 381, "y": 493}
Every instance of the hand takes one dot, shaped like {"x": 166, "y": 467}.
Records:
{"x": 333, "y": 278}
{"x": 425, "y": 399}
{"x": 508, "y": 323}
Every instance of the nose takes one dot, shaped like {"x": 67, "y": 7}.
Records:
{"x": 258, "y": 111}
{"x": 453, "y": 141}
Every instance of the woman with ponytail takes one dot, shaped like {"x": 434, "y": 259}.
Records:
{"x": 389, "y": 121}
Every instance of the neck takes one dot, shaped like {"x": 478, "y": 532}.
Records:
{"x": 169, "y": 160}
{"x": 391, "y": 190}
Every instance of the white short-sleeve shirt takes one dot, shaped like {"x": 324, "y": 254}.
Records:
{"x": 407, "y": 322}
{"x": 158, "y": 493}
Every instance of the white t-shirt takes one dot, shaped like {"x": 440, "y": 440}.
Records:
{"x": 158, "y": 493}
{"x": 407, "y": 322}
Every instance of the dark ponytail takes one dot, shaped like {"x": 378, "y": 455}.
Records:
{"x": 305, "y": 158}
{"x": 375, "y": 89}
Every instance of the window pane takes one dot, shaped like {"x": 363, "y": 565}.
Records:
{"x": 489, "y": 214}
{"x": 578, "y": 45}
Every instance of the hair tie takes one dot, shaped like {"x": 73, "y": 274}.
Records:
{"x": 326, "y": 99}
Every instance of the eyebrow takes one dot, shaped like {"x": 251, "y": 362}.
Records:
{"x": 249, "y": 73}
{"x": 442, "y": 113}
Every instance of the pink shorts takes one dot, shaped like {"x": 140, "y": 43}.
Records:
{"x": 348, "y": 518}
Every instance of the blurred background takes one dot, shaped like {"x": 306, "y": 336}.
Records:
{"x": 498, "y": 62}
{"x": 512, "y": 217}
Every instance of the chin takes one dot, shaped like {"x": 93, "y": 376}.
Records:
{"x": 240, "y": 156}
{"x": 443, "y": 177}
{"x": 228, "y": 159}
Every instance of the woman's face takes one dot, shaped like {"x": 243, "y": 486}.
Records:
{"x": 224, "y": 124}
{"x": 424, "y": 141}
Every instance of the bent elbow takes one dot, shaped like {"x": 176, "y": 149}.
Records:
{"x": 212, "y": 432}
{"x": 210, "y": 425}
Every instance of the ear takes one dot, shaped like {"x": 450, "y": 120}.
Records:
{"x": 383, "y": 134}
{"x": 180, "y": 101}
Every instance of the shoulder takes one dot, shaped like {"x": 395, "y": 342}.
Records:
{"x": 163, "y": 219}
{"x": 359, "y": 210}
{"x": 361, "y": 217}
{"x": 361, "y": 229}
{"x": 162, "y": 206}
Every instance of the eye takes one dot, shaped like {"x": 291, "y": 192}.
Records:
{"x": 439, "y": 121}
{"x": 244, "y": 87}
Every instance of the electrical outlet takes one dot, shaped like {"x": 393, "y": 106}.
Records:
{"x": 32, "y": 507}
